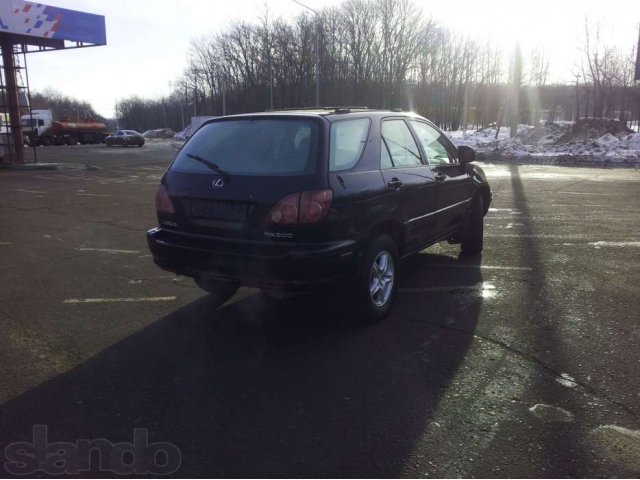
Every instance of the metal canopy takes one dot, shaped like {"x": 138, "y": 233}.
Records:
{"x": 27, "y": 27}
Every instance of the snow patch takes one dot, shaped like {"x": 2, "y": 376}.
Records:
{"x": 551, "y": 413}
{"x": 566, "y": 380}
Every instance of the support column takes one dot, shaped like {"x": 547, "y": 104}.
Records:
{"x": 8, "y": 60}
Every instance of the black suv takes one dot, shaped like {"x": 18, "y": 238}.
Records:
{"x": 293, "y": 199}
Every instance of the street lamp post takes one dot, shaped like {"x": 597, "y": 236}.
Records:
{"x": 270, "y": 79}
{"x": 223, "y": 83}
{"x": 317, "y": 50}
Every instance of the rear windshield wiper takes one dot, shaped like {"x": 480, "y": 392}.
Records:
{"x": 225, "y": 176}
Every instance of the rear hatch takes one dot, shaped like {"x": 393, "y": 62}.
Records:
{"x": 230, "y": 174}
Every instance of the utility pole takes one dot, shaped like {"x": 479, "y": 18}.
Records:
{"x": 224, "y": 95}
{"x": 577, "y": 100}
{"x": 515, "y": 90}
{"x": 637, "y": 73}
{"x": 195, "y": 92}
{"x": 164, "y": 113}
{"x": 270, "y": 80}
{"x": 637, "y": 77}
{"x": 317, "y": 50}
{"x": 186, "y": 99}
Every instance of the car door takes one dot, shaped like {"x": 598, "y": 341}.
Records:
{"x": 410, "y": 180}
{"x": 120, "y": 138}
{"x": 454, "y": 185}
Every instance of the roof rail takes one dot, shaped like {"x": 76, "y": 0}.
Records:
{"x": 337, "y": 109}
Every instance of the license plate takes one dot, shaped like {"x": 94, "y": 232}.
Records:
{"x": 235, "y": 212}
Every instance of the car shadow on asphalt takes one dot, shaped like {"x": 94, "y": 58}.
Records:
{"x": 264, "y": 388}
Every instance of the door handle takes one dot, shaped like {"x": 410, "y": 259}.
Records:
{"x": 440, "y": 177}
{"x": 395, "y": 184}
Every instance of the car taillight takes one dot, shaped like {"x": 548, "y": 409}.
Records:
{"x": 285, "y": 212}
{"x": 163, "y": 202}
{"x": 314, "y": 206}
{"x": 305, "y": 207}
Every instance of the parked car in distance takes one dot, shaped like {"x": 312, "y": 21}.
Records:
{"x": 124, "y": 138}
{"x": 304, "y": 198}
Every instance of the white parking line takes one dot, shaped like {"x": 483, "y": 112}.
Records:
{"x": 115, "y": 300}
{"x": 44, "y": 177}
{"x": 581, "y": 205}
{"x": 483, "y": 289}
{"x": 6, "y": 243}
{"x": 92, "y": 195}
{"x": 586, "y": 193}
{"x": 484, "y": 267}
{"x": 105, "y": 250}
{"x": 614, "y": 244}
{"x": 437, "y": 289}
{"x": 540, "y": 235}
{"x": 30, "y": 191}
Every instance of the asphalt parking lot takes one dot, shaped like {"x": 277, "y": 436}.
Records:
{"x": 522, "y": 363}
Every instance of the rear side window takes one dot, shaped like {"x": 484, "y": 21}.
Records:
{"x": 253, "y": 147}
{"x": 348, "y": 138}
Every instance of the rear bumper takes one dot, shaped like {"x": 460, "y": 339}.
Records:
{"x": 258, "y": 264}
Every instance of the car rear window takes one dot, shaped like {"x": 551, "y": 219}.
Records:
{"x": 347, "y": 141}
{"x": 253, "y": 147}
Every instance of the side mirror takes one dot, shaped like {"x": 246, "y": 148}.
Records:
{"x": 466, "y": 154}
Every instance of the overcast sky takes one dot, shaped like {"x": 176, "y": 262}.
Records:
{"x": 147, "y": 40}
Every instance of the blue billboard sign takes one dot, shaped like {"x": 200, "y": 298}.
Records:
{"x": 45, "y": 21}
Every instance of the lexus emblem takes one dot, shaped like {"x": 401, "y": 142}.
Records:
{"x": 218, "y": 183}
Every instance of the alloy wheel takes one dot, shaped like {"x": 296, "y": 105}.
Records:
{"x": 381, "y": 278}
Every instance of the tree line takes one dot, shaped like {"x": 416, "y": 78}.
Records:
{"x": 64, "y": 107}
{"x": 384, "y": 54}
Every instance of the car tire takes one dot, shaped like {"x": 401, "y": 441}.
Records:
{"x": 473, "y": 231}
{"x": 376, "y": 280}
{"x": 219, "y": 291}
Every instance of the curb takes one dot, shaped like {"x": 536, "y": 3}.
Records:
{"x": 564, "y": 160}
{"x": 46, "y": 166}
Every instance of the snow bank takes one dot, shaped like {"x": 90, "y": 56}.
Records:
{"x": 555, "y": 141}
{"x": 159, "y": 133}
{"x": 184, "y": 134}
{"x": 607, "y": 140}
{"x": 633, "y": 141}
